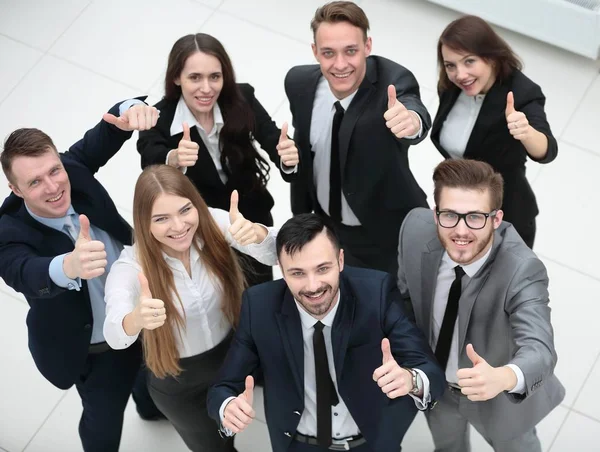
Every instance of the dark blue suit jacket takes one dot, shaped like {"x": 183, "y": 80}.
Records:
{"x": 60, "y": 320}
{"x": 269, "y": 337}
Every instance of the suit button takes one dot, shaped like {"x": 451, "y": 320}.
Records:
{"x": 87, "y": 326}
{"x": 288, "y": 434}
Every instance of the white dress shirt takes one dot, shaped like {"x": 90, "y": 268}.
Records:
{"x": 445, "y": 278}
{"x": 457, "y": 128}
{"x": 200, "y": 294}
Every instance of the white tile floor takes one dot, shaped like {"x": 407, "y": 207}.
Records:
{"x": 64, "y": 63}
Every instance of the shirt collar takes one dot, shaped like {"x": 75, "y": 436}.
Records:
{"x": 54, "y": 223}
{"x": 183, "y": 113}
{"x": 473, "y": 267}
{"x": 308, "y": 321}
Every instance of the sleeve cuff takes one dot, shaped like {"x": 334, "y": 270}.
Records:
{"x": 58, "y": 277}
{"x": 418, "y": 134}
{"x": 423, "y": 402}
{"x": 226, "y": 431}
{"x": 520, "y": 386}
{"x": 183, "y": 169}
{"x": 264, "y": 252}
{"x": 128, "y": 104}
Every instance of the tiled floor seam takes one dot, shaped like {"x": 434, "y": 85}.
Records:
{"x": 562, "y": 264}
{"x": 578, "y": 147}
{"x": 585, "y": 93}
{"x": 45, "y": 420}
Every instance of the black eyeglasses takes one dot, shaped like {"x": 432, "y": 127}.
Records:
{"x": 473, "y": 220}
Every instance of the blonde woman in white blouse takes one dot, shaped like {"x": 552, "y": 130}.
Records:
{"x": 181, "y": 284}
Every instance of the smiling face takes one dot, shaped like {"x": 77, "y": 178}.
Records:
{"x": 201, "y": 82}
{"x": 173, "y": 224}
{"x": 43, "y": 184}
{"x": 341, "y": 50}
{"x": 470, "y": 73}
{"x": 465, "y": 245}
{"x": 313, "y": 274}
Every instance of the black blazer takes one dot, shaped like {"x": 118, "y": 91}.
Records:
{"x": 60, "y": 321}
{"x": 492, "y": 142}
{"x": 269, "y": 337}
{"x": 376, "y": 178}
{"x": 155, "y": 144}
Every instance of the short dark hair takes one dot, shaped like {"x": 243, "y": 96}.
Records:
{"x": 24, "y": 143}
{"x": 473, "y": 35}
{"x": 470, "y": 175}
{"x": 335, "y": 12}
{"x": 302, "y": 229}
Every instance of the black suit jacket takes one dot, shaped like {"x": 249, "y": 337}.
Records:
{"x": 60, "y": 321}
{"x": 155, "y": 144}
{"x": 491, "y": 142}
{"x": 269, "y": 337}
{"x": 376, "y": 178}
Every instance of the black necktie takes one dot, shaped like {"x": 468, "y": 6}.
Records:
{"x": 326, "y": 394}
{"x": 442, "y": 349}
{"x": 335, "y": 171}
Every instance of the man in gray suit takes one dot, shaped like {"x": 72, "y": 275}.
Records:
{"x": 480, "y": 295}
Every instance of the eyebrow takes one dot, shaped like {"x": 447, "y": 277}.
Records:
{"x": 200, "y": 73}
{"x": 295, "y": 269}
{"x": 36, "y": 177}
{"x": 166, "y": 214}
{"x": 463, "y": 58}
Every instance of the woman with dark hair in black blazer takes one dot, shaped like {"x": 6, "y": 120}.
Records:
{"x": 490, "y": 111}
{"x": 206, "y": 127}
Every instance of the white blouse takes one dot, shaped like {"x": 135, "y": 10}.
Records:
{"x": 201, "y": 295}
{"x": 459, "y": 124}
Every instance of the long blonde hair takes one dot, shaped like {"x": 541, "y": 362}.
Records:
{"x": 160, "y": 348}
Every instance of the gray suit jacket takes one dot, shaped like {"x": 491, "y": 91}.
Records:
{"x": 503, "y": 312}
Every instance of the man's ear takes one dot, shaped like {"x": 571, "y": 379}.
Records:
{"x": 498, "y": 219}
{"x": 15, "y": 190}
{"x": 341, "y": 259}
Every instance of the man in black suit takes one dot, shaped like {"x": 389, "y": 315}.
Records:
{"x": 355, "y": 117}
{"x": 59, "y": 232}
{"x": 343, "y": 366}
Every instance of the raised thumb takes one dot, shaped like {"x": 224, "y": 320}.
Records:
{"x": 391, "y": 96}
{"x": 473, "y": 356}
{"x": 233, "y": 208}
{"x": 186, "y": 132}
{"x": 249, "y": 390}
{"x": 284, "y": 131}
{"x": 84, "y": 228}
{"x": 144, "y": 286}
{"x": 386, "y": 350}
{"x": 510, "y": 104}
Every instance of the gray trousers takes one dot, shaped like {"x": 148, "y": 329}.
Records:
{"x": 449, "y": 425}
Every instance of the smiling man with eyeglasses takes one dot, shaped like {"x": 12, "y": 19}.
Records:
{"x": 480, "y": 295}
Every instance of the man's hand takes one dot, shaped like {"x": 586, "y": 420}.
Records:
{"x": 238, "y": 413}
{"x": 186, "y": 153}
{"x": 243, "y": 231}
{"x": 287, "y": 150}
{"x": 88, "y": 259}
{"x": 393, "y": 380}
{"x": 482, "y": 381}
{"x": 401, "y": 122}
{"x": 138, "y": 117}
{"x": 150, "y": 312}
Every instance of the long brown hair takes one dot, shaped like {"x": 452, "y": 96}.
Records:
{"x": 239, "y": 158}
{"x": 473, "y": 35}
{"x": 160, "y": 348}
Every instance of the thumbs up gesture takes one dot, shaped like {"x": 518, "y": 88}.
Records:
{"x": 150, "y": 312}
{"x": 186, "y": 153}
{"x": 482, "y": 381}
{"x": 244, "y": 232}
{"x": 394, "y": 381}
{"x": 287, "y": 150}
{"x": 402, "y": 122}
{"x": 238, "y": 413}
{"x": 517, "y": 122}
{"x": 138, "y": 117}
{"x": 88, "y": 259}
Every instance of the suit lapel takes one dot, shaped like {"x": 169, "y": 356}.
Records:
{"x": 469, "y": 295}
{"x": 447, "y": 101}
{"x": 305, "y": 100}
{"x": 430, "y": 263}
{"x": 205, "y": 165}
{"x": 342, "y": 325}
{"x": 493, "y": 107}
{"x": 358, "y": 105}
{"x": 290, "y": 328}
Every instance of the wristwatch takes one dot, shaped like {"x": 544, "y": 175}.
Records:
{"x": 417, "y": 381}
